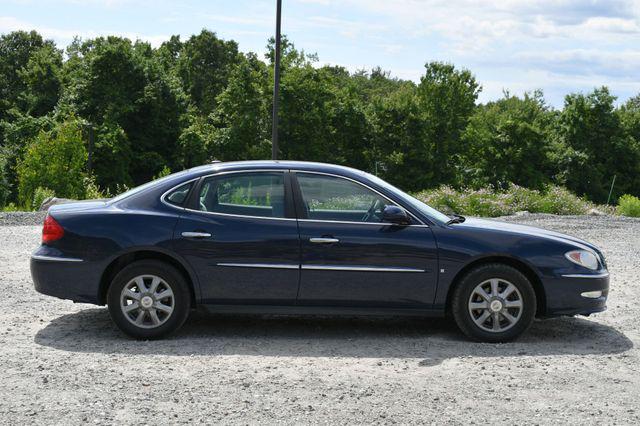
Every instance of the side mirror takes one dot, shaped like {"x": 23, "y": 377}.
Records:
{"x": 396, "y": 215}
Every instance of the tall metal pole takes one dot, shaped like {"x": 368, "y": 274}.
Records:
{"x": 276, "y": 85}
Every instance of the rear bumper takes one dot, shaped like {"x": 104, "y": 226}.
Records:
{"x": 577, "y": 294}
{"x": 63, "y": 277}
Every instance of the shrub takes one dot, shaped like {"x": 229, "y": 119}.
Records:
{"x": 39, "y": 196}
{"x": 93, "y": 191}
{"x": 54, "y": 160}
{"x": 628, "y": 205}
{"x": 491, "y": 203}
{"x": 11, "y": 207}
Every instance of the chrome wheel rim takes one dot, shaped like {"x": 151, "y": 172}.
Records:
{"x": 147, "y": 301}
{"x": 495, "y": 305}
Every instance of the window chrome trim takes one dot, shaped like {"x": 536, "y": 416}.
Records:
{"x": 55, "y": 258}
{"x": 261, "y": 265}
{"x": 601, "y": 275}
{"x": 239, "y": 215}
{"x": 283, "y": 171}
{"x": 421, "y": 223}
{"x": 358, "y": 268}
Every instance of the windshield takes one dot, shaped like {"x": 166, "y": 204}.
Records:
{"x": 142, "y": 187}
{"x": 413, "y": 202}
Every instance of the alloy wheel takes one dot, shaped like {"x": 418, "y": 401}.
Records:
{"x": 147, "y": 301}
{"x": 495, "y": 305}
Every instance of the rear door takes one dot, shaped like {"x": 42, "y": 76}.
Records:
{"x": 350, "y": 257}
{"x": 241, "y": 237}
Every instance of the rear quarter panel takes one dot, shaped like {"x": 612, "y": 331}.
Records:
{"x": 98, "y": 236}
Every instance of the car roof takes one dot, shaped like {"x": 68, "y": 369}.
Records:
{"x": 275, "y": 165}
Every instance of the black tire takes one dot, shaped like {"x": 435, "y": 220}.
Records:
{"x": 180, "y": 299}
{"x": 462, "y": 297}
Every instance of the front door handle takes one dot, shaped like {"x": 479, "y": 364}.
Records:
{"x": 196, "y": 234}
{"x": 324, "y": 240}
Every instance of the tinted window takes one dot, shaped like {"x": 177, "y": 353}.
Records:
{"x": 248, "y": 194}
{"x": 333, "y": 198}
{"x": 179, "y": 195}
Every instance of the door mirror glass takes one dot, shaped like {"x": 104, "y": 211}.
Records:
{"x": 395, "y": 214}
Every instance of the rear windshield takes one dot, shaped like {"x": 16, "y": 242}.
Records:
{"x": 147, "y": 185}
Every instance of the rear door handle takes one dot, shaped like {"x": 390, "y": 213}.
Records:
{"x": 196, "y": 234}
{"x": 324, "y": 240}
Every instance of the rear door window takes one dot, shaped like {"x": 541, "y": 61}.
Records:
{"x": 259, "y": 194}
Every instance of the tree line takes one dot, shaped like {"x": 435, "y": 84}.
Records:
{"x": 150, "y": 110}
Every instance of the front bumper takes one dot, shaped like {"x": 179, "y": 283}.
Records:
{"x": 576, "y": 294}
{"x": 63, "y": 277}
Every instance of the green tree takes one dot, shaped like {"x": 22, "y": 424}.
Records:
{"x": 204, "y": 65}
{"x": 446, "y": 98}
{"x": 592, "y": 147}
{"x": 16, "y": 50}
{"x": 507, "y": 141}
{"x": 56, "y": 161}
{"x": 42, "y": 79}
{"x": 242, "y": 119}
{"x": 400, "y": 150}
{"x": 18, "y": 129}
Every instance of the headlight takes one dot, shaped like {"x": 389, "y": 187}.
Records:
{"x": 583, "y": 258}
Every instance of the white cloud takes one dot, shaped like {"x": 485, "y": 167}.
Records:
{"x": 62, "y": 37}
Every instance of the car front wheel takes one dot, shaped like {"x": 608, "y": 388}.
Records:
{"x": 149, "y": 299}
{"x": 494, "y": 303}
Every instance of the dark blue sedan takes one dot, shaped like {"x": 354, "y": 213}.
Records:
{"x": 307, "y": 238}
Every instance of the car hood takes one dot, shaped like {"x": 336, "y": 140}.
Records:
{"x": 512, "y": 228}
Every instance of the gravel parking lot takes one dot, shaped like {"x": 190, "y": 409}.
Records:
{"x": 65, "y": 363}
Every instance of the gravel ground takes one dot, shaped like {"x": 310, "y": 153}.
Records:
{"x": 65, "y": 363}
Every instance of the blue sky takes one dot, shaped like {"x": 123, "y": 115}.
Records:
{"x": 559, "y": 46}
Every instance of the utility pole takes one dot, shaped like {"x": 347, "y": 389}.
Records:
{"x": 276, "y": 84}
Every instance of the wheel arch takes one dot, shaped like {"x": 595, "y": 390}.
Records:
{"x": 127, "y": 258}
{"x": 523, "y": 267}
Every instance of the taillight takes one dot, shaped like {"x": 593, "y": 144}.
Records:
{"x": 51, "y": 231}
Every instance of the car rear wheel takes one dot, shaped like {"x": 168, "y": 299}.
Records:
{"x": 149, "y": 299}
{"x": 494, "y": 303}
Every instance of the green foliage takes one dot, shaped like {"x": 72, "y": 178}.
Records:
{"x": 485, "y": 202}
{"x": 593, "y": 147}
{"x": 166, "y": 171}
{"x": 11, "y": 207}
{"x": 54, "y": 160}
{"x": 40, "y": 195}
{"x": 628, "y": 205}
{"x": 507, "y": 141}
{"x": 188, "y": 102}
{"x": 42, "y": 78}
{"x": 204, "y": 65}
{"x": 17, "y": 50}
{"x": 93, "y": 191}
{"x": 5, "y": 188}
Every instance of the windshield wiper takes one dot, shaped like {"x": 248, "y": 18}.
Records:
{"x": 456, "y": 218}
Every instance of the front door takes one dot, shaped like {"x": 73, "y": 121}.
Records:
{"x": 241, "y": 238}
{"x": 350, "y": 257}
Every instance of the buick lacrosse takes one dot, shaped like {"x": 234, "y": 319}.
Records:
{"x": 285, "y": 237}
